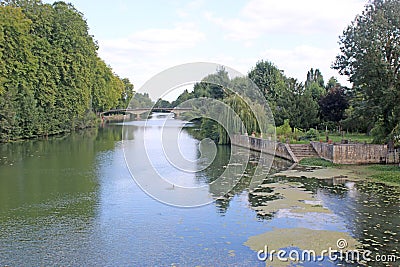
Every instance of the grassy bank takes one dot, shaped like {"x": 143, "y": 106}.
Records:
{"x": 389, "y": 174}
{"x": 385, "y": 173}
{"x": 316, "y": 162}
{"x": 334, "y": 137}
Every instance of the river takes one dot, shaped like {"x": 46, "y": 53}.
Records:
{"x": 71, "y": 201}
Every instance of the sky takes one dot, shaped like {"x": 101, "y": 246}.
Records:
{"x": 139, "y": 39}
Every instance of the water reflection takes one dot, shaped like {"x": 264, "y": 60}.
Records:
{"x": 174, "y": 168}
{"x": 369, "y": 211}
{"x": 71, "y": 201}
{"x": 36, "y": 172}
{"x": 49, "y": 197}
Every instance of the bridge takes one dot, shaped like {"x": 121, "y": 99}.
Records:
{"x": 138, "y": 111}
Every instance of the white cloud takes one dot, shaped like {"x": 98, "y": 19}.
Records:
{"x": 260, "y": 17}
{"x": 147, "y": 52}
{"x": 189, "y": 8}
{"x": 298, "y": 60}
{"x": 157, "y": 41}
{"x": 300, "y": 35}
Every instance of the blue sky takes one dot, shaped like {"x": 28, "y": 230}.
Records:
{"x": 139, "y": 39}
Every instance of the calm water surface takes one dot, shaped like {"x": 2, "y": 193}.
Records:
{"x": 71, "y": 201}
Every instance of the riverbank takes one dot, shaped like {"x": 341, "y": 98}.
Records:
{"x": 323, "y": 169}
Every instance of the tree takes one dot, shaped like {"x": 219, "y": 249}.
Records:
{"x": 272, "y": 83}
{"x": 314, "y": 77}
{"x": 334, "y": 104}
{"x": 315, "y": 84}
{"x": 269, "y": 79}
{"x": 127, "y": 93}
{"x": 107, "y": 88}
{"x": 51, "y": 78}
{"x": 298, "y": 105}
{"x": 161, "y": 103}
{"x": 370, "y": 57}
{"x": 18, "y": 65}
{"x": 182, "y": 98}
{"x": 140, "y": 100}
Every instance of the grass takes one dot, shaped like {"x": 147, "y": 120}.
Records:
{"x": 335, "y": 137}
{"x": 361, "y": 138}
{"x": 316, "y": 162}
{"x": 388, "y": 174}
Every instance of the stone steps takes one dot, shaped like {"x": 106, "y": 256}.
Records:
{"x": 302, "y": 151}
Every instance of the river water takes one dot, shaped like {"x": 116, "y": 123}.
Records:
{"x": 71, "y": 201}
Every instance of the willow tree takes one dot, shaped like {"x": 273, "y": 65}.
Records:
{"x": 370, "y": 57}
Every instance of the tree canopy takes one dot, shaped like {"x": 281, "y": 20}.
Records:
{"x": 51, "y": 78}
{"x": 370, "y": 57}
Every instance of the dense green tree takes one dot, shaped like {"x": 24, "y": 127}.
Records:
{"x": 127, "y": 93}
{"x": 201, "y": 89}
{"x": 269, "y": 79}
{"x": 314, "y": 76}
{"x": 272, "y": 83}
{"x": 18, "y": 65}
{"x": 247, "y": 107}
{"x": 182, "y": 98}
{"x": 161, "y": 103}
{"x": 370, "y": 56}
{"x": 51, "y": 79}
{"x": 217, "y": 82}
{"x": 315, "y": 84}
{"x": 140, "y": 100}
{"x": 107, "y": 89}
{"x": 301, "y": 107}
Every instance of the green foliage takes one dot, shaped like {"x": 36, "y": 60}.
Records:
{"x": 379, "y": 132}
{"x": 395, "y": 135}
{"x": 140, "y": 100}
{"x": 108, "y": 91}
{"x": 315, "y": 84}
{"x": 288, "y": 98}
{"x": 386, "y": 173}
{"x": 209, "y": 129}
{"x": 161, "y": 103}
{"x": 51, "y": 79}
{"x": 268, "y": 78}
{"x": 312, "y": 133}
{"x": 272, "y": 83}
{"x": 316, "y": 162}
{"x": 284, "y": 130}
{"x": 314, "y": 77}
{"x": 334, "y": 104}
{"x": 370, "y": 50}
{"x": 182, "y": 98}
{"x": 18, "y": 66}
{"x": 218, "y": 86}
{"x": 127, "y": 94}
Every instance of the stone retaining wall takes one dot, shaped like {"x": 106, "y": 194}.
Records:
{"x": 351, "y": 153}
{"x": 263, "y": 145}
{"x": 324, "y": 150}
{"x": 393, "y": 157}
{"x": 336, "y": 153}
